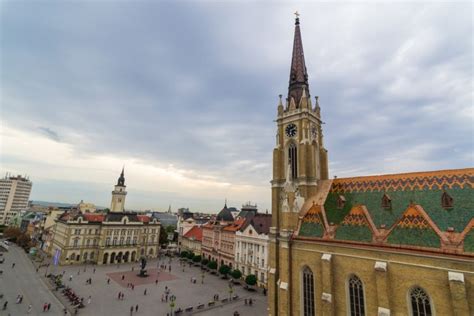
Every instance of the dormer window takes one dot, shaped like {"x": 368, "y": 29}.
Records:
{"x": 446, "y": 200}
{"x": 386, "y": 202}
{"x": 341, "y": 201}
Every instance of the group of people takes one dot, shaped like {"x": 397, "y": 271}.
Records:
{"x": 248, "y": 301}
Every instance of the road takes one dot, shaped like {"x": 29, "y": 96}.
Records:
{"x": 23, "y": 279}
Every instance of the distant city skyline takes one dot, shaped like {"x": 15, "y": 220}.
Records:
{"x": 184, "y": 95}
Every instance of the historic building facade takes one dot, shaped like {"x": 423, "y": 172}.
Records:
{"x": 251, "y": 247}
{"x": 400, "y": 244}
{"x": 115, "y": 237}
{"x": 192, "y": 240}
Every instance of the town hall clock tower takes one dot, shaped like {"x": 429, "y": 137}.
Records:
{"x": 300, "y": 161}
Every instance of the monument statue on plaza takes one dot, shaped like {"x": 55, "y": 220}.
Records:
{"x": 142, "y": 267}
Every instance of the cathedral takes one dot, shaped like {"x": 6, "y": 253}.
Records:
{"x": 395, "y": 244}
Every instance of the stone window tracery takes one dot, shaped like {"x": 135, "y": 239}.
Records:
{"x": 420, "y": 302}
{"x": 308, "y": 292}
{"x": 293, "y": 160}
{"x": 356, "y": 296}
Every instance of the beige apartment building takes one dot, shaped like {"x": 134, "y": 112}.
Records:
{"x": 14, "y": 196}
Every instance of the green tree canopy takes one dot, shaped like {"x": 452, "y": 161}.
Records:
{"x": 163, "y": 237}
{"x": 204, "y": 261}
{"x": 190, "y": 255}
{"x": 251, "y": 279}
{"x": 212, "y": 265}
{"x": 224, "y": 269}
{"x": 236, "y": 274}
{"x": 197, "y": 258}
{"x": 183, "y": 254}
{"x": 170, "y": 228}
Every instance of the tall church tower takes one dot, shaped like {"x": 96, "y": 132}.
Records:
{"x": 299, "y": 158}
{"x": 299, "y": 163}
{"x": 118, "y": 195}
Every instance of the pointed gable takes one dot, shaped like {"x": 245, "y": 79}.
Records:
{"x": 415, "y": 228}
{"x": 356, "y": 226}
{"x": 313, "y": 224}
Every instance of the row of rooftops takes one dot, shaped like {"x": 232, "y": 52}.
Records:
{"x": 100, "y": 218}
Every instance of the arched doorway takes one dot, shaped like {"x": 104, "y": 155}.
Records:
{"x": 78, "y": 257}
{"x": 133, "y": 256}
{"x": 112, "y": 257}
{"x": 150, "y": 252}
{"x": 119, "y": 257}
{"x": 106, "y": 257}
{"x": 125, "y": 257}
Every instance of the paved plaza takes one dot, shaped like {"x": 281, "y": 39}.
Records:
{"x": 104, "y": 293}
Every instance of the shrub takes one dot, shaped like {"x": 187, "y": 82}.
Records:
{"x": 212, "y": 265}
{"x": 190, "y": 255}
{"x": 204, "y": 261}
{"x": 224, "y": 269}
{"x": 251, "y": 279}
{"x": 236, "y": 274}
{"x": 184, "y": 254}
{"x": 197, "y": 259}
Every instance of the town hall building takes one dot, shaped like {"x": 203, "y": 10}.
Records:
{"x": 396, "y": 244}
{"x": 113, "y": 237}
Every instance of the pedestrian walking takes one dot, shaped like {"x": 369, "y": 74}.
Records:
{"x": 123, "y": 277}
{"x": 170, "y": 268}
{"x": 45, "y": 306}
{"x": 250, "y": 301}
{"x": 49, "y": 307}
{"x": 29, "y": 309}
{"x": 108, "y": 281}
{"x": 144, "y": 292}
{"x": 156, "y": 282}
{"x": 131, "y": 310}
{"x": 5, "y": 305}
{"x": 37, "y": 270}
{"x": 65, "y": 311}
{"x": 93, "y": 271}
{"x": 89, "y": 300}
{"x": 70, "y": 278}
{"x": 133, "y": 287}
{"x": 119, "y": 294}
{"x": 13, "y": 265}
{"x": 21, "y": 299}
{"x": 136, "y": 308}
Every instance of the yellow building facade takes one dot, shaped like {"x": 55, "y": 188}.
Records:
{"x": 400, "y": 244}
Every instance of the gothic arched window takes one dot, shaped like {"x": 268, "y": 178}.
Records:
{"x": 356, "y": 296}
{"x": 293, "y": 160}
{"x": 420, "y": 302}
{"x": 308, "y": 292}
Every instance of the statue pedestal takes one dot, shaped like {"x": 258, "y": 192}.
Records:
{"x": 142, "y": 273}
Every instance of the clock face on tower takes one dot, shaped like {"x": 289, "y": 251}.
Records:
{"x": 290, "y": 130}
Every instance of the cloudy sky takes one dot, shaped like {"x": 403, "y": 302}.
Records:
{"x": 184, "y": 94}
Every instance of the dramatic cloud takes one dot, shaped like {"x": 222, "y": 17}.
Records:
{"x": 184, "y": 94}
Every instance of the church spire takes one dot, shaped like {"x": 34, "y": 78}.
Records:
{"x": 298, "y": 73}
{"x": 121, "y": 179}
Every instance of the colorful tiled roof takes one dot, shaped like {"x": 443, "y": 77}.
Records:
{"x": 195, "y": 233}
{"x": 235, "y": 226}
{"x": 403, "y": 210}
